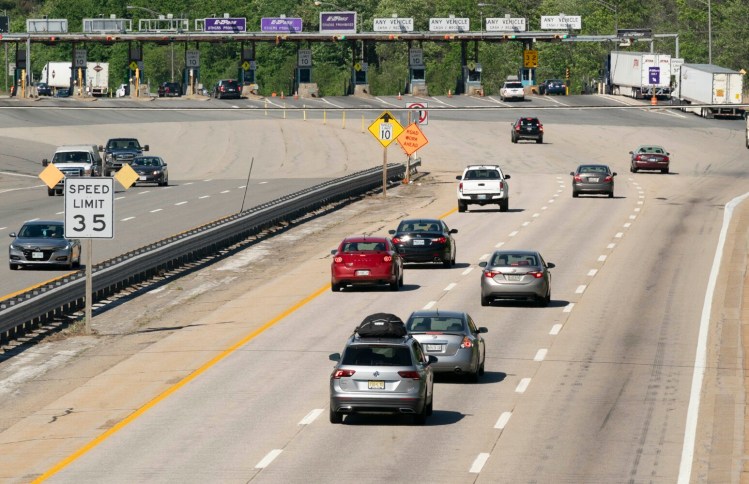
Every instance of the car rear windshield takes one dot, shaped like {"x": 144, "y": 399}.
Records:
{"x": 593, "y": 169}
{"x": 363, "y": 246}
{"x": 514, "y": 85}
{"x": 423, "y": 226}
{"x": 482, "y": 175}
{"x": 529, "y": 122}
{"x": 514, "y": 260}
{"x": 424, "y": 324}
{"x": 377, "y": 356}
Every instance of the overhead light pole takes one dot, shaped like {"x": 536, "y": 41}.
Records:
{"x": 153, "y": 12}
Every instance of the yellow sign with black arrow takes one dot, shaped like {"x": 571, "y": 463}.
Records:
{"x": 386, "y": 128}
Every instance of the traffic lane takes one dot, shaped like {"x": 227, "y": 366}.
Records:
{"x": 295, "y": 339}
{"x": 146, "y": 214}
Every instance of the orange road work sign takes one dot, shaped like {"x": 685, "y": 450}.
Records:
{"x": 412, "y": 139}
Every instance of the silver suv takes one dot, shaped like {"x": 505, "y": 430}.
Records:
{"x": 391, "y": 374}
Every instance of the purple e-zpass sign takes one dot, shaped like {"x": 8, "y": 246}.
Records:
{"x": 338, "y": 22}
{"x": 654, "y": 75}
{"x": 225, "y": 25}
{"x": 281, "y": 24}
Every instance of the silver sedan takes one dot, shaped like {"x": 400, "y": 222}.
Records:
{"x": 516, "y": 274}
{"x": 43, "y": 243}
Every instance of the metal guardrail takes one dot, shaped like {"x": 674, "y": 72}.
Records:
{"x": 27, "y": 310}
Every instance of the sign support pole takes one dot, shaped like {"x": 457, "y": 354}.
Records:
{"x": 89, "y": 284}
{"x": 407, "y": 180}
{"x": 384, "y": 171}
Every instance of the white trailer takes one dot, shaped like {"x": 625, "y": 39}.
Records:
{"x": 97, "y": 78}
{"x": 713, "y": 90}
{"x": 639, "y": 74}
{"x": 57, "y": 75}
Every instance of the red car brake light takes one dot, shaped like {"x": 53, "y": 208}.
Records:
{"x": 387, "y": 258}
{"x": 501, "y": 185}
{"x": 414, "y": 375}
{"x": 396, "y": 240}
{"x": 608, "y": 178}
{"x": 578, "y": 178}
{"x": 665, "y": 158}
{"x": 536, "y": 274}
{"x": 338, "y": 374}
{"x": 540, "y": 127}
{"x": 440, "y": 240}
{"x": 491, "y": 274}
{"x": 466, "y": 343}
{"x": 338, "y": 259}
{"x": 517, "y": 127}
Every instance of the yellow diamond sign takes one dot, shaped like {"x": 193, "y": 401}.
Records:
{"x": 245, "y": 65}
{"x": 126, "y": 176}
{"x": 386, "y": 128}
{"x": 51, "y": 175}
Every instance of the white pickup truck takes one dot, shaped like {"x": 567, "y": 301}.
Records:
{"x": 483, "y": 185}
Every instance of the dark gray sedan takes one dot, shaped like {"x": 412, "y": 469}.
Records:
{"x": 453, "y": 338}
{"x": 592, "y": 180}
{"x": 43, "y": 243}
{"x": 150, "y": 169}
{"x": 516, "y": 274}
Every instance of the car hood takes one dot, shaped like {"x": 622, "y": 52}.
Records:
{"x": 32, "y": 242}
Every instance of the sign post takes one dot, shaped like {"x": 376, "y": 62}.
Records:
{"x": 386, "y": 129}
{"x": 89, "y": 214}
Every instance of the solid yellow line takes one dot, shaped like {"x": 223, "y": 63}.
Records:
{"x": 449, "y": 212}
{"x": 36, "y": 286}
{"x": 130, "y": 418}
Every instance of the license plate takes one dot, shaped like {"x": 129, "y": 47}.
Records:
{"x": 418, "y": 242}
{"x": 142, "y": 177}
{"x": 529, "y": 129}
{"x": 593, "y": 179}
{"x": 376, "y": 385}
{"x": 434, "y": 347}
{"x": 362, "y": 273}
{"x": 37, "y": 255}
{"x": 481, "y": 197}
{"x": 514, "y": 278}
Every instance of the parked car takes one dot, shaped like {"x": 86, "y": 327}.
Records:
{"x": 483, "y": 185}
{"x": 425, "y": 240}
{"x": 365, "y": 260}
{"x": 122, "y": 90}
{"x": 453, "y": 338}
{"x": 593, "y": 179}
{"x": 385, "y": 373}
{"x": 512, "y": 91}
{"x": 553, "y": 86}
{"x": 43, "y": 243}
{"x": 527, "y": 128}
{"x": 649, "y": 157}
{"x": 516, "y": 274}
{"x": 150, "y": 169}
{"x": 169, "y": 89}
{"x": 43, "y": 89}
{"x": 227, "y": 88}
{"x": 62, "y": 92}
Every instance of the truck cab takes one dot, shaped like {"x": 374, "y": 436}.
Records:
{"x": 74, "y": 160}
{"x": 120, "y": 151}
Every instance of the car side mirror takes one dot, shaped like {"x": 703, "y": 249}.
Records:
{"x": 333, "y": 252}
{"x": 631, "y": 153}
{"x": 164, "y": 165}
{"x": 482, "y": 264}
{"x": 507, "y": 177}
{"x": 101, "y": 148}
{"x": 572, "y": 173}
{"x": 145, "y": 148}
{"x": 334, "y": 357}
{"x": 432, "y": 359}
{"x": 613, "y": 174}
{"x": 391, "y": 232}
{"x": 45, "y": 162}
{"x": 459, "y": 177}
{"x": 550, "y": 265}
{"x": 483, "y": 330}
{"x": 453, "y": 231}
{"x": 12, "y": 234}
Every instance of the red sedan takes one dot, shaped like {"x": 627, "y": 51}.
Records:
{"x": 649, "y": 157}
{"x": 366, "y": 260}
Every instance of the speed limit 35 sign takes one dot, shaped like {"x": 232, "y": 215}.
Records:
{"x": 89, "y": 207}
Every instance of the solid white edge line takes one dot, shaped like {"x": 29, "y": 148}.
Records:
{"x": 700, "y": 358}
{"x": 522, "y": 385}
{"x": 310, "y": 417}
{"x": 540, "y": 354}
{"x": 502, "y": 420}
{"x": 269, "y": 457}
{"x": 478, "y": 464}
{"x": 126, "y": 219}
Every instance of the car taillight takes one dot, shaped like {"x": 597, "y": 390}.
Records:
{"x": 460, "y": 187}
{"x": 517, "y": 127}
{"x": 414, "y": 375}
{"x": 338, "y": 374}
{"x": 440, "y": 240}
{"x": 338, "y": 259}
{"x": 608, "y": 178}
{"x": 638, "y": 158}
{"x": 501, "y": 185}
{"x": 665, "y": 158}
{"x": 387, "y": 258}
{"x": 490, "y": 274}
{"x": 396, "y": 240}
{"x": 578, "y": 178}
{"x": 540, "y": 128}
{"x": 466, "y": 343}
{"x": 536, "y": 274}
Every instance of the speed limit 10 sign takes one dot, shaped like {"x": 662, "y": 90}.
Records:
{"x": 89, "y": 207}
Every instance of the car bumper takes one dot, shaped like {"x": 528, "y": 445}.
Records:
{"x": 429, "y": 254}
{"x": 482, "y": 198}
{"x": 392, "y": 403}
{"x": 150, "y": 178}
{"x": 463, "y": 361}
{"x": 51, "y": 257}
{"x": 593, "y": 188}
{"x": 650, "y": 165}
{"x": 356, "y": 275}
{"x": 538, "y": 288}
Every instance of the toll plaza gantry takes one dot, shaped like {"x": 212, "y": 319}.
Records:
{"x": 176, "y": 32}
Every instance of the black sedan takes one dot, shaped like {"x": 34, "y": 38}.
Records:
{"x": 425, "y": 240}
{"x": 553, "y": 86}
{"x": 593, "y": 179}
{"x": 43, "y": 243}
{"x": 150, "y": 169}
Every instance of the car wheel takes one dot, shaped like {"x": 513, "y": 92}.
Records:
{"x": 485, "y": 301}
{"x": 474, "y": 377}
{"x": 544, "y": 301}
{"x": 575, "y": 194}
{"x": 51, "y": 192}
{"x": 335, "y": 287}
{"x": 504, "y": 205}
{"x": 13, "y": 267}
{"x": 400, "y": 280}
{"x": 430, "y": 407}
{"x": 462, "y": 206}
{"x": 632, "y": 169}
{"x": 335, "y": 417}
{"x": 395, "y": 284}
{"x": 514, "y": 139}
{"x": 611, "y": 194}
{"x": 447, "y": 263}
{"x": 665, "y": 170}
{"x": 481, "y": 368}
{"x": 540, "y": 140}
{"x": 421, "y": 417}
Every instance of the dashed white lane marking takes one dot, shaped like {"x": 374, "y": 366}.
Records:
{"x": 119, "y": 198}
{"x": 525, "y": 224}
{"x": 262, "y": 183}
{"x": 536, "y": 215}
{"x": 450, "y": 286}
{"x": 180, "y": 203}
{"x": 551, "y": 201}
{"x": 513, "y": 233}
{"x": 189, "y": 183}
{"x": 478, "y": 464}
{"x": 242, "y": 186}
{"x": 580, "y": 289}
{"x": 641, "y": 196}
{"x": 502, "y": 420}
{"x": 627, "y": 225}
{"x": 619, "y": 235}
{"x": 484, "y": 256}
{"x": 640, "y": 202}
{"x": 540, "y": 354}
{"x": 601, "y": 258}
{"x": 611, "y": 246}
{"x": 204, "y": 196}
{"x": 523, "y": 385}
{"x": 632, "y": 217}
{"x": 499, "y": 244}
{"x": 3, "y": 228}
{"x": 592, "y": 272}
{"x": 310, "y": 417}
{"x": 556, "y": 329}
{"x": 568, "y": 308}
{"x": 157, "y": 210}
{"x": 126, "y": 219}
{"x": 269, "y": 457}
{"x": 208, "y": 180}
{"x": 226, "y": 191}
{"x": 544, "y": 207}
{"x": 234, "y": 106}
{"x": 60, "y": 213}
{"x": 467, "y": 271}
{"x": 637, "y": 209}
{"x": 144, "y": 192}
{"x": 430, "y": 304}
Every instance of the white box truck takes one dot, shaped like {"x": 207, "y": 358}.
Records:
{"x": 639, "y": 74}
{"x": 57, "y": 75}
{"x": 709, "y": 90}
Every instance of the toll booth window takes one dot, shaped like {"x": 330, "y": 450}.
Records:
{"x": 474, "y": 76}
{"x": 360, "y": 77}
{"x": 305, "y": 75}
{"x": 417, "y": 74}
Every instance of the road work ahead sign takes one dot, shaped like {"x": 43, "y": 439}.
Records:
{"x": 89, "y": 207}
